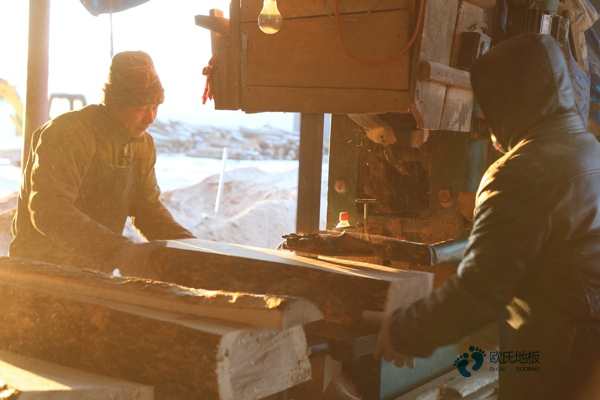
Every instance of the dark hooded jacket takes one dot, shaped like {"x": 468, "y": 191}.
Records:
{"x": 533, "y": 258}
{"x": 84, "y": 176}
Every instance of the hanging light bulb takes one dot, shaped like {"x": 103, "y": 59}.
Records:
{"x": 270, "y": 19}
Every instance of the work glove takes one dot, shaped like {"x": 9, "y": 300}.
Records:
{"x": 385, "y": 349}
{"x": 135, "y": 259}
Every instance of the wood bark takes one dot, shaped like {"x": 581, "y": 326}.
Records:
{"x": 341, "y": 292}
{"x": 275, "y": 312}
{"x": 182, "y": 356}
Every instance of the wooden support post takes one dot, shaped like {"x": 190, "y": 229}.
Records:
{"x": 309, "y": 173}
{"x": 343, "y": 169}
{"x": 36, "y": 107}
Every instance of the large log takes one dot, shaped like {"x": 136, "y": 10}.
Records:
{"x": 342, "y": 292}
{"x": 275, "y": 312}
{"x": 182, "y": 356}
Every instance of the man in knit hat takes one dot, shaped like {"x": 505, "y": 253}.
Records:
{"x": 89, "y": 170}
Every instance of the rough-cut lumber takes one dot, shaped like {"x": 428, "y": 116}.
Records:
{"x": 341, "y": 292}
{"x": 435, "y": 44}
{"x": 483, "y": 3}
{"x": 432, "y": 71}
{"x": 40, "y": 380}
{"x": 275, "y": 312}
{"x": 182, "y": 356}
{"x": 458, "y": 109}
{"x": 483, "y": 384}
{"x": 214, "y": 22}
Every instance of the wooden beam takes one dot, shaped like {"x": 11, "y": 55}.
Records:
{"x": 214, "y": 22}
{"x": 435, "y": 44}
{"x": 342, "y": 292}
{"x": 261, "y": 311}
{"x": 182, "y": 356}
{"x": 483, "y": 3}
{"x": 436, "y": 72}
{"x": 309, "y": 173}
{"x": 36, "y": 106}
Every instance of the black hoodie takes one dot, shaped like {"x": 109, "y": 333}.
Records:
{"x": 521, "y": 85}
{"x": 533, "y": 259}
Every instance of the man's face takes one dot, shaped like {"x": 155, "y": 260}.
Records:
{"x": 137, "y": 119}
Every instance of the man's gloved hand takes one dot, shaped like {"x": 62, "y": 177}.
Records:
{"x": 135, "y": 259}
{"x": 386, "y": 350}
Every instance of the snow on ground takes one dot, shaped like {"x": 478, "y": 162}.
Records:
{"x": 257, "y": 206}
{"x": 170, "y": 167}
{"x": 258, "y": 201}
{"x": 10, "y": 178}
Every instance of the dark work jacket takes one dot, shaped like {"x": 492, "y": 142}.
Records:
{"x": 84, "y": 176}
{"x": 533, "y": 258}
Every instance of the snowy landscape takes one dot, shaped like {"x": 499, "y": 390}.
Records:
{"x": 257, "y": 204}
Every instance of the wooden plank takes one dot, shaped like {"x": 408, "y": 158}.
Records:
{"x": 273, "y": 312}
{"x": 435, "y": 45}
{"x": 309, "y": 173}
{"x": 470, "y": 18}
{"x": 324, "y": 100}
{"x": 458, "y": 110}
{"x": 429, "y": 104}
{"x": 182, "y": 357}
{"x": 40, "y": 380}
{"x": 440, "y": 73}
{"x": 483, "y": 383}
{"x": 225, "y": 72}
{"x": 308, "y": 8}
{"x": 215, "y": 22}
{"x": 307, "y": 53}
{"x": 341, "y": 292}
{"x": 438, "y": 31}
{"x": 234, "y": 56}
{"x": 458, "y": 102}
{"x": 483, "y": 3}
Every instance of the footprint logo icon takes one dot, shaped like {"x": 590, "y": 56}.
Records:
{"x": 478, "y": 356}
{"x": 461, "y": 363}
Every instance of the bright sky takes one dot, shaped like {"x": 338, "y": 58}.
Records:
{"x": 80, "y": 53}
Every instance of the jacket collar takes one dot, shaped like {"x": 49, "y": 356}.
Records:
{"x": 569, "y": 122}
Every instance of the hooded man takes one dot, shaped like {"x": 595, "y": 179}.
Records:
{"x": 533, "y": 258}
{"x": 89, "y": 170}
